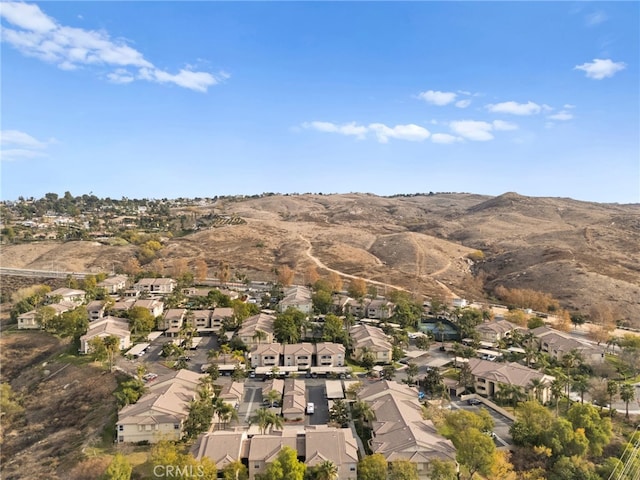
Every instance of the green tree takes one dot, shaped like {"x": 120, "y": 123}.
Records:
{"x": 112, "y": 346}
{"x": 326, "y": 470}
{"x": 44, "y": 315}
{"x": 119, "y": 468}
{"x": 339, "y": 413}
{"x": 442, "y": 470}
{"x": 372, "y": 467}
{"x": 235, "y": 471}
{"x": 321, "y": 301}
{"x": 288, "y": 326}
{"x": 423, "y": 342}
{"x": 265, "y": 418}
{"x": 532, "y": 421}
{"x": 475, "y": 451}
{"x": 627, "y": 394}
{"x": 412, "y": 372}
{"x": 403, "y": 470}
{"x": 333, "y": 329}
{"x": 597, "y": 430}
{"x": 141, "y": 320}
{"x": 581, "y": 385}
{"x": 286, "y": 466}
{"x": 572, "y": 468}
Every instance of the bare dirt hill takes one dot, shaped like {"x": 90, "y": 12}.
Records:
{"x": 584, "y": 253}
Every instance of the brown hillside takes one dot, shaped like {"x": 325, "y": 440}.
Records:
{"x": 584, "y": 253}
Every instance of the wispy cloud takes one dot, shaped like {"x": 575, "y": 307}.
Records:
{"x": 562, "y": 116}
{"x": 351, "y": 129}
{"x": 479, "y": 131}
{"x": 515, "y": 108}
{"x": 15, "y": 145}
{"x": 37, "y": 35}
{"x": 444, "y": 138}
{"x": 595, "y": 18}
{"x": 409, "y": 132}
{"x": 600, "y": 69}
{"x": 435, "y": 97}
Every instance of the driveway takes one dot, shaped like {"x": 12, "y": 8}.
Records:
{"x": 317, "y": 395}
{"x": 502, "y": 423}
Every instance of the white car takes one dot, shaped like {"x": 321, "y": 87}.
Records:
{"x": 310, "y": 408}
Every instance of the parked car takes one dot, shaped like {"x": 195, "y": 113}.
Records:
{"x": 473, "y": 401}
{"x": 310, "y": 408}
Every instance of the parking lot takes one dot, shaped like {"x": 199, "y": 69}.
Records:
{"x": 502, "y": 423}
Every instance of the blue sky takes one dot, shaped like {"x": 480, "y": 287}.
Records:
{"x": 170, "y": 99}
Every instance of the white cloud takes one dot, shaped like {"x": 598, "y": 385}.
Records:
{"x": 38, "y": 35}
{"x": 463, "y": 103}
{"x": 28, "y": 17}
{"x": 444, "y": 138}
{"x": 410, "y": 132}
{"x": 599, "y": 68}
{"x": 595, "y": 18}
{"x": 562, "y": 115}
{"x": 515, "y": 108}
{"x": 473, "y": 130}
{"x": 568, "y": 106}
{"x": 21, "y": 145}
{"x": 350, "y": 129}
{"x": 437, "y": 98}
{"x": 502, "y": 125}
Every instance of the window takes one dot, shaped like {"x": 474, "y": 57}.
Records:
{"x": 176, "y": 426}
{"x": 352, "y": 469}
{"x": 257, "y": 465}
{"x": 120, "y": 428}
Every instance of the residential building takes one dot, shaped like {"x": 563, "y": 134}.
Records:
{"x": 366, "y": 338}
{"x": 336, "y": 445}
{"x": 557, "y": 344}
{"x": 493, "y": 332}
{"x": 95, "y": 310}
{"x": 156, "y": 307}
{"x": 266, "y": 355}
{"x": 30, "y": 321}
{"x": 160, "y": 413}
{"x": 329, "y": 354}
{"x": 105, "y": 327}
{"x": 219, "y": 315}
{"x": 489, "y": 377}
{"x": 298, "y": 297}
{"x": 264, "y": 449}
{"x": 293, "y": 399}
{"x": 298, "y": 355}
{"x": 69, "y": 295}
{"x": 161, "y": 286}
{"x": 399, "y": 431}
{"x": 232, "y": 393}
{"x": 113, "y": 285}
{"x": 223, "y": 447}
{"x": 314, "y": 445}
{"x": 379, "y": 309}
{"x": 172, "y": 321}
{"x": 262, "y": 322}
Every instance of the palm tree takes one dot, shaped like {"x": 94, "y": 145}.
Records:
{"x": 275, "y": 421}
{"x": 571, "y": 360}
{"x": 226, "y": 413}
{"x": 581, "y": 385}
{"x": 259, "y": 335}
{"x": 260, "y": 418}
{"x": 237, "y": 356}
{"x": 361, "y": 412}
{"x": 557, "y": 387}
{"x": 225, "y": 350}
{"x": 326, "y": 471}
{"x": 627, "y": 394}
{"x": 272, "y": 396}
{"x": 536, "y": 385}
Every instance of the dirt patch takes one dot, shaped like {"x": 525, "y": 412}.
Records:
{"x": 66, "y": 407}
